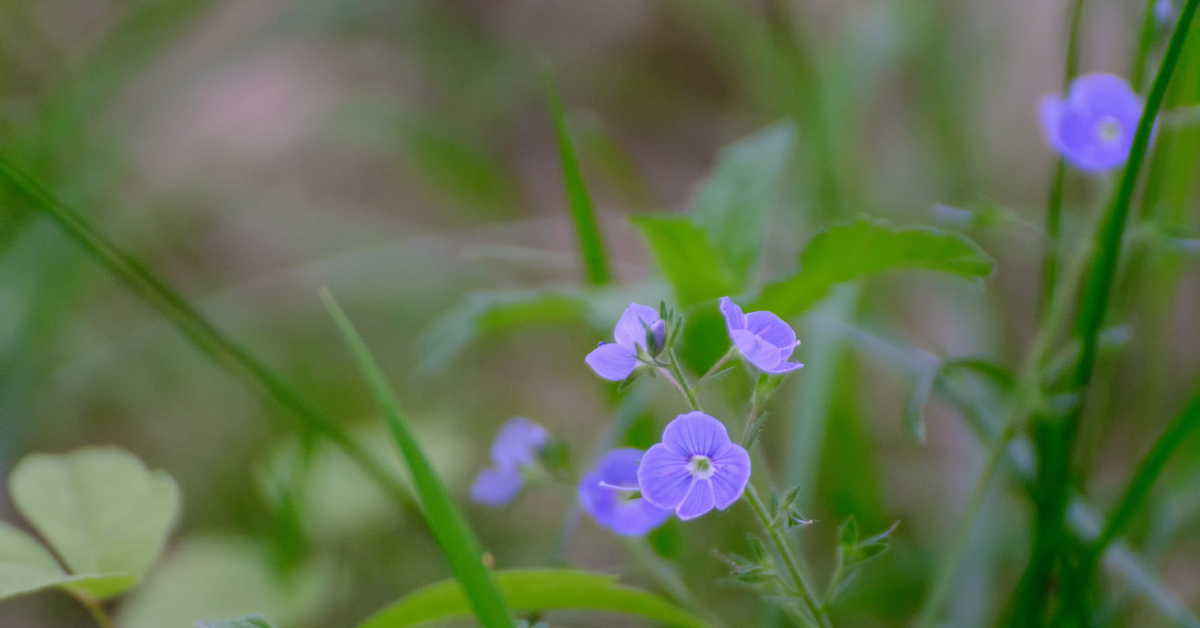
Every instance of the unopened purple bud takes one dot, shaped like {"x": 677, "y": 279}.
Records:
{"x": 658, "y": 337}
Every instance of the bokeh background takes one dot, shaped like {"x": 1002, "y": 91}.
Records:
{"x": 403, "y": 154}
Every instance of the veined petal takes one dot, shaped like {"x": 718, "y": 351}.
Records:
{"x": 629, "y": 330}
{"x": 608, "y": 506}
{"x": 518, "y": 442}
{"x": 613, "y": 362}
{"x": 732, "y": 473}
{"x": 761, "y": 353}
{"x": 734, "y": 318}
{"x": 784, "y": 367}
{"x": 771, "y": 328}
{"x": 637, "y": 518}
{"x": 663, "y": 477}
{"x": 496, "y": 487}
{"x": 692, "y": 434}
{"x": 699, "y": 501}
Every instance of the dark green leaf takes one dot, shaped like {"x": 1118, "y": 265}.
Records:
{"x": 686, "y": 258}
{"x": 449, "y": 528}
{"x": 848, "y": 535}
{"x": 849, "y": 251}
{"x": 735, "y": 202}
{"x": 535, "y": 590}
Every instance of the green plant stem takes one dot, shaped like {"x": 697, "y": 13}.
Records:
{"x": 194, "y": 326}
{"x": 681, "y": 380}
{"x": 95, "y": 608}
{"x": 1145, "y": 43}
{"x": 802, "y": 589}
{"x": 1054, "y": 206}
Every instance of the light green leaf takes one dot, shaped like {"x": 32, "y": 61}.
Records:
{"x": 850, "y": 251}
{"x": 529, "y": 590}
{"x": 735, "y": 202}
{"x": 101, "y": 510}
{"x": 686, "y": 258}
{"x": 249, "y": 621}
{"x": 226, "y": 577}
{"x": 25, "y": 565}
{"x": 486, "y": 313}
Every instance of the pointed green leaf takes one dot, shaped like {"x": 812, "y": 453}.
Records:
{"x": 101, "y": 510}
{"x": 454, "y": 536}
{"x": 849, "y": 251}
{"x": 735, "y": 202}
{"x": 249, "y": 621}
{"x": 686, "y": 258}
{"x": 535, "y": 590}
{"x": 25, "y": 565}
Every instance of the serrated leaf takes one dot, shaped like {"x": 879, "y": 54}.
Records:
{"x": 735, "y": 202}
{"x": 686, "y": 257}
{"x": 535, "y": 590}
{"x": 850, "y": 251}
{"x": 102, "y": 511}
{"x": 249, "y": 621}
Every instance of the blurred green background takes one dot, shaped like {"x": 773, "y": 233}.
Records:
{"x": 402, "y": 153}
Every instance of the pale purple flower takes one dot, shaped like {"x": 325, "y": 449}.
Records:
{"x": 605, "y": 495}
{"x": 762, "y": 337}
{"x": 517, "y": 445}
{"x": 695, "y": 468}
{"x": 615, "y": 361}
{"x": 1093, "y": 127}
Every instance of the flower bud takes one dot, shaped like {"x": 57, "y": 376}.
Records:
{"x": 656, "y": 338}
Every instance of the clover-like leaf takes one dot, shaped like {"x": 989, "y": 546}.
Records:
{"x": 101, "y": 510}
{"x": 25, "y": 565}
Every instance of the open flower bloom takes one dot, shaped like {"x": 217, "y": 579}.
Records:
{"x": 615, "y": 361}
{"x": 606, "y": 492}
{"x": 1093, "y": 128}
{"x": 695, "y": 468}
{"x": 762, "y": 337}
{"x": 517, "y": 445}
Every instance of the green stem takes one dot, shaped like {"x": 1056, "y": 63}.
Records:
{"x": 681, "y": 380}
{"x": 1145, "y": 42}
{"x": 96, "y": 609}
{"x": 800, "y": 585}
{"x": 198, "y": 329}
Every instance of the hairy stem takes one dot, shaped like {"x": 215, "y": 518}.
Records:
{"x": 801, "y": 586}
{"x": 681, "y": 380}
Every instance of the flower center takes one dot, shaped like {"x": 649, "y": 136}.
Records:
{"x": 1109, "y": 130}
{"x": 701, "y": 467}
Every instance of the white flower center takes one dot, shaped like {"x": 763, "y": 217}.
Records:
{"x": 1109, "y": 130}
{"x": 701, "y": 467}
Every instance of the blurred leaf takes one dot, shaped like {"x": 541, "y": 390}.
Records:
{"x": 591, "y": 242}
{"x": 686, "y": 258}
{"x": 913, "y": 422}
{"x": 848, "y": 535}
{"x": 734, "y": 203}
{"x": 535, "y": 590}
{"x": 226, "y": 577}
{"x": 455, "y": 538}
{"x": 458, "y": 167}
{"x": 485, "y": 313}
{"x": 101, "y": 510}
{"x": 249, "y": 621}
{"x": 25, "y": 565}
{"x": 853, "y": 250}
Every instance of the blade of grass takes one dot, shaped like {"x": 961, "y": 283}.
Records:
{"x": 449, "y": 527}
{"x": 591, "y": 242}
{"x": 198, "y": 329}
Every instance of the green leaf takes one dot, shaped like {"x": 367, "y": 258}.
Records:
{"x": 228, "y": 576}
{"x": 25, "y": 565}
{"x": 849, "y": 251}
{"x": 485, "y": 313}
{"x": 848, "y": 535}
{"x": 449, "y": 527}
{"x": 591, "y": 242}
{"x": 249, "y": 621}
{"x": 735, "y": 202}
{"x": 535, "y": 590}
{"x": 686, "y": 258}
{"x": 100, "y": 509}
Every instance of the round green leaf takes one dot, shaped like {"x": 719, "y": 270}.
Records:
{"x": 25, "y": 565}
{"x": 105, "y": 514}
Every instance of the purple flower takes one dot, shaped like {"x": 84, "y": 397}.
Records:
{"x": 603, "y": 494}
{"x": 617, "y": 360}
{"x": 762, "y": 337}
{"x": 517, "y": 445}
{"x": 695, "y": 468}
{"x": 1093, "y": 128}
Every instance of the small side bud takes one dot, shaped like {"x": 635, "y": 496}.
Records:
{"x": 656, "y": 338}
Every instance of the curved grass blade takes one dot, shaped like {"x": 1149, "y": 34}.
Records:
{"x": 449, "y": 527}
{"x": 198, "y": 329}
{"x": 591, "y": 242}
{"x": 528, "y": 590}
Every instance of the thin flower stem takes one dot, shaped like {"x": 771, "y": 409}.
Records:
{"x": 716, "y": 368}
{"x": 785, "y": 552}
{"x": 681, "y": 380}
{"x": 96, "y": 610}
